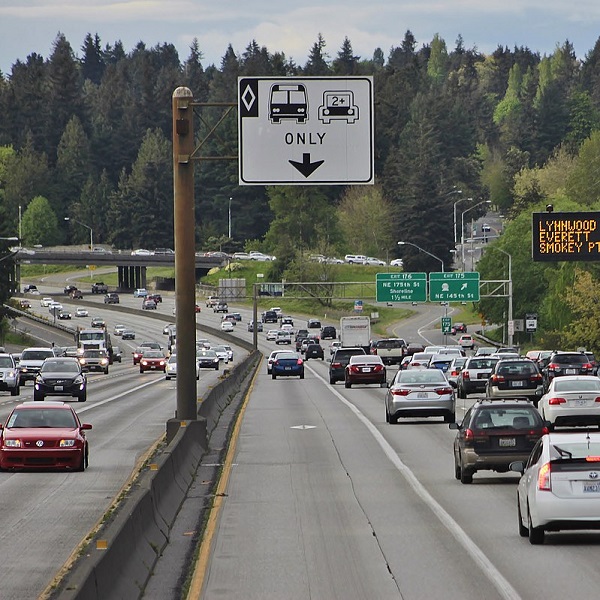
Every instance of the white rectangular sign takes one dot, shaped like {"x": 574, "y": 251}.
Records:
{"x": 305, "y": 130}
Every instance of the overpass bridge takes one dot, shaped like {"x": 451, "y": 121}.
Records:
{"x": 131, "y": 268}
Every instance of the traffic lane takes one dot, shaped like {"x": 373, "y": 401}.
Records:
{"x": 314, "y": 508}
{"x": 485, "y": 510}
{"x": 128, "y": 413}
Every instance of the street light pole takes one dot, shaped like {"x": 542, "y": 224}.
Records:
{"x": 462, "y": 228}
{"x": 422, "y": 250}
{"x": 88, "y": 227}
{"x": 511, "y": 325}
{"x": 229, "y": 220}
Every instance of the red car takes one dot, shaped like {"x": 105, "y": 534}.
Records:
{"x": 137, "y": 355}
{"x": 153, "y": 360}
{"x": 367, "y": 368}
{"x": 43, "y": 435}
{"x": 198, "y": 309}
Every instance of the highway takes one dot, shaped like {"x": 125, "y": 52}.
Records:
{"x": 44, "y": 515}
{"x": 324, "y": 499}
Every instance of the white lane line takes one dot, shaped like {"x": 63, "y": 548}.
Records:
{"x": 505, "y": 589}
{"x": 113, "y": 398}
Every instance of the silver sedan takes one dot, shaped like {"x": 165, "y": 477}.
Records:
{"x": 419, "y": 393}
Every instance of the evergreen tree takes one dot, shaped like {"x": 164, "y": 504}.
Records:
{"x": 317, "y": 59}
{"x": 92, "y": 62}
{"x": 345, "y": 63}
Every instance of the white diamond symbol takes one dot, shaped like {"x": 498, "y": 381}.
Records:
{"x": 248, "y": 97}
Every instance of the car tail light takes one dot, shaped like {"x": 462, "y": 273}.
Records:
{"x": 466, "y": 375}
{"x": 597, "y": 399}
{"x": 497, "y": 378}
{"x": 557, "y": 401}
{"x": 469, "y": 435}
{"x": 443, "y": 391}
{"x": 377, "y": 368}
{"x": 299, "y": 361}
{"x": 544, "y": 479}
{"x": 553, "y": 367}
{"x": 400, "y": 392}
{"x": 587, "y": 366}
{"x": 536, "y": 377}
{"x": 454, "y": 373}
{"x": 336, "y": 365}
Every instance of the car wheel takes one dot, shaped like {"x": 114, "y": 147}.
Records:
{"x": 457, "y": 469}
{"x": 523, "y": 531}
{"x": 38, "y": 397}
{"x": 273, "y": 376}
{"x": 347, "y": 384}
{"x": 387, "y": 415}
{"x": 106, "y": 371}
{"x": 15, "y": 391}
{"x": 82, "y": 397}
{"x": 461, "y": 392}
{"x": 168, "y": 377}
{"x": 141, "y": 370}
{"x": 465, "y": 475}
{"x": 536, "y": 534}
{"x": 216, "y": 367}
{"x": 392, "y": 419}
{"x": 302, "y": 375}
{"x": 84, "y": 461}
{"x": 383, "y": 384}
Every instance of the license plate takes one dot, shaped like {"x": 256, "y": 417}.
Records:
{"x": 58, "y": 388}
{"x": 517, "y": 383}
{"x": 571, "y": 371}
{"x": 288, "y": 368}
{"x": 422, "y": 395}
{"x": 507, "y": 442}
{"x": 483, "y": 375}
{"x": 366, "y": 370}
{"x": 591, "y": 488}
{"x": 580, "y": 402}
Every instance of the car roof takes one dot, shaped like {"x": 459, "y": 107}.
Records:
{"x": 366, "y": 358}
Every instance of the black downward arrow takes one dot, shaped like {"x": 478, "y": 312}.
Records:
{"x": 306, "y": 167}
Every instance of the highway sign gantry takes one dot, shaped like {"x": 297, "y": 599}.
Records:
{"x": 401, "y": 287}
{"x": 305, "y": 130}
{"x": 454, "y": 287}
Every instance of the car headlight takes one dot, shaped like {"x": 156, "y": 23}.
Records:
{"x": 82, "y": 361}
{"x": 12, "y": 443}
{"x": 104, "y": 361}
{"x": 78, "y": 380}
{"x": 11, "y": 374}
{"x": 144, "y": 362}
{"x": 66, "y": 443}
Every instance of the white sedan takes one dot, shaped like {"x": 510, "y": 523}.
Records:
{"x": 81, "y": 312}
{"x": 572, "y": 400}
{"x": 46, "y": 302}
{"x": 272, "y": 334}
{"x": 397, "y": 262}
{"x": 227, "y": 326}
{"x": 560, "y": 485}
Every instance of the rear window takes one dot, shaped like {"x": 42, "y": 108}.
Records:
{"x": 518, "y": 368}
{"x": 482, "y": 363}
{"x": 565, "y": 359}
{"x": 589, "y": 384}
{"x": 343, "y": 354}
{"x": 389, "y": 344}
{"x": 516, "y": 418}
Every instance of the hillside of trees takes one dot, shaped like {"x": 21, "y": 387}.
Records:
{"x": 86, "y": 134}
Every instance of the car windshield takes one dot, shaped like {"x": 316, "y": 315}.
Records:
{"x": 42, "y": 418}
{"x": 421, "y": 376}
{"x": 153, "y": 345}
{"x": 91, "y": 336}
{"x": 62, "y": 366}
{"x": 206, "y": 354}
{"x": 6, "y": 362}
{"x": 589, "y": 384}
{"x": 153, "y": 354}
{"x": 36, "y": 354}
{"x": 94, "y": 354}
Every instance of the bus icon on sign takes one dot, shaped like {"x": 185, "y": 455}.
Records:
{"x": 338, "y": 106}
{"x": 288, "y": 101}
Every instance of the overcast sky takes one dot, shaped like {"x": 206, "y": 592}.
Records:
{"x": 292, "y": 27}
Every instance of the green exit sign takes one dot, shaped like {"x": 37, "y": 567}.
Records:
{"x": 454, "y": 287}
{"x": 401, "y": 287}
{"x": 446, "y": 324}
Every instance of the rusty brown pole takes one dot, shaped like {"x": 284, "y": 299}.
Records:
{"x": 185, "y": 258}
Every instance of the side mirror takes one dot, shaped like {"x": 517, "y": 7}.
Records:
{"x": 518, "y": 466}
{"x": 454, "y": 425}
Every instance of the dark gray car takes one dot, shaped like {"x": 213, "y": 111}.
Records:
{"x": 339, "y": 361}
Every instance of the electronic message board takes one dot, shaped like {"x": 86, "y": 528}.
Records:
{"x": 566, "y": 236}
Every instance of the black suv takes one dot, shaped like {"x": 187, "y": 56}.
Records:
{"x": 112, "y": 298}
{"x": 269, "y": 316}
{"x": 339, "y": 362}
{"x": 60, "y": 377}
{"x": 493, "y": 434}
{"x": 328, "y": 333}
{"x": 566, "y": 363}
{"x": 313, "y": 324}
